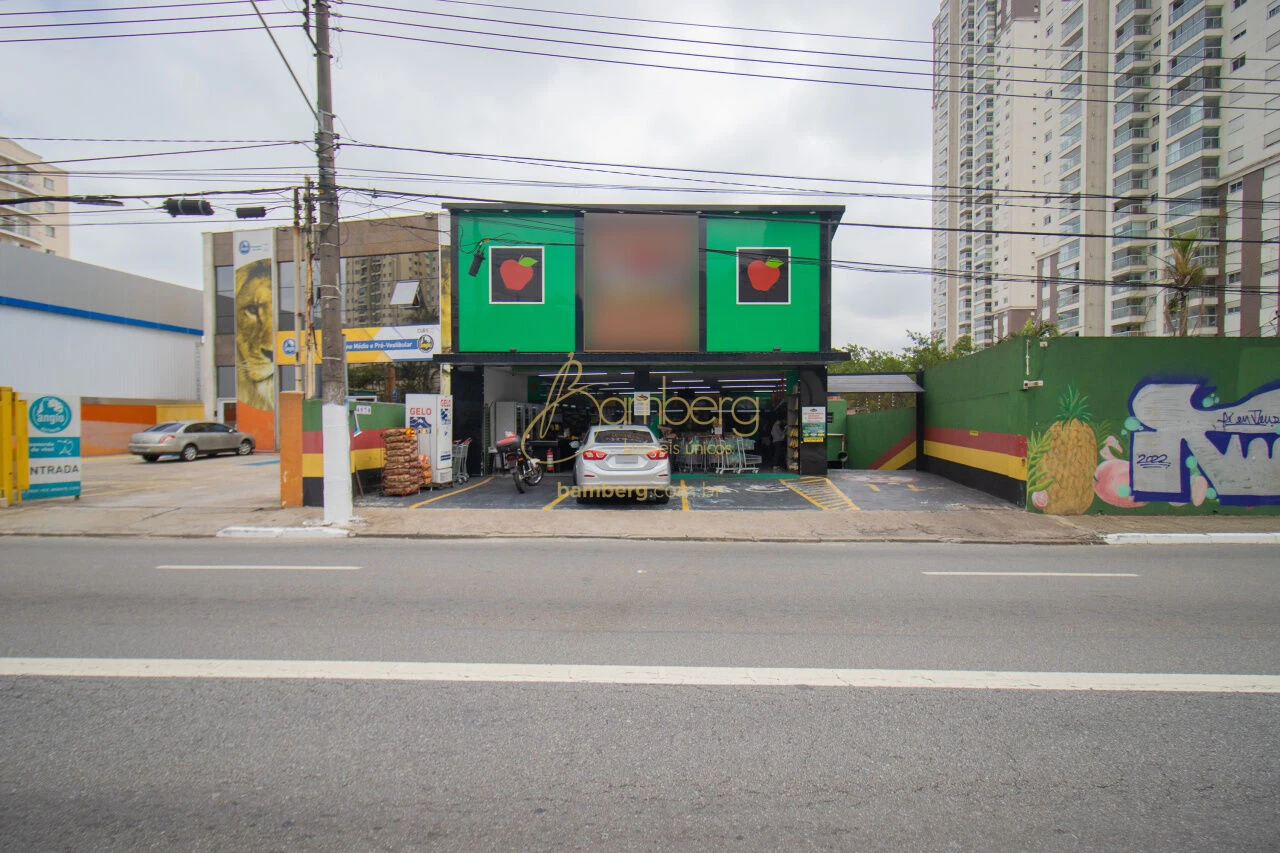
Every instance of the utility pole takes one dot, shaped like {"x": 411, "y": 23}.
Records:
{"x": 338, "y": 507}
{"x": 308, "y": 348}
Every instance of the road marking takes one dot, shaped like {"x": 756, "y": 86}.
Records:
{"x": 913, "y": 487}
{"x": 715, "y": 676}
{"x": 873, "y": 487}
{"x": 822, "y": 493}
{"x": 1040, "y": 574}
{"x": 452, "y": 492}
{"x": 684, "y": 495}
{"x": 246, "y": 568}
{"x": 565, "y": 494}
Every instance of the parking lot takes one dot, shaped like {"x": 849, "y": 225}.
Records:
{"x": 840, "y": 491}
{"x": 250, "y": 482}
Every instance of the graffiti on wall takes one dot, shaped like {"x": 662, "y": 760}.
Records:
{"x": 1179, "y": 444}
{"x": 1186, "y": 445}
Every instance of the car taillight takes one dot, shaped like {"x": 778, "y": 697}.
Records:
{"x": 657, "y": 454}
{"x": 594, "y": 455}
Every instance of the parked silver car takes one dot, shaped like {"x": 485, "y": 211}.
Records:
{"x": 622, "y": 461}
{"x": 189, "y": 439}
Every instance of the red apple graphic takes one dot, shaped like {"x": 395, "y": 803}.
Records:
{"x": 764, "y": 274}
{"x": 516, "y": 274}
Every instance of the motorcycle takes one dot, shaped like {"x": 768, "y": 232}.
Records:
{"x": 525, "y": 471}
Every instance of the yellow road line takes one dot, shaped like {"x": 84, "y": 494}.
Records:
{"x": 825, "y": 495}
{"x": 451, "y": 493}
{"x": 563, "y": 495}
{"x": 873, "y": 487}
{"x": 684, "y": 495}
{"x": 913, "y": 487}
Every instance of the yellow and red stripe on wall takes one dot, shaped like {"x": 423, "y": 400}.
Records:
{"x": 1000, "y": 453}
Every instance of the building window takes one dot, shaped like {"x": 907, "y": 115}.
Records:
{"x": 284, "y": 298}
{"x": 224, "y": 302}
{"x": 1238, "y": 62}
{"x": 227, "y": 381}
{"x": 50, "y": 231}
{"x": 1236, "y": 187}
{"x": 48, "y": 183}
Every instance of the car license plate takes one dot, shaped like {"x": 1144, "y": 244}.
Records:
{"x": 628, "y": 460}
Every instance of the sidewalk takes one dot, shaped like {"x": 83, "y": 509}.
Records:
{"x": 240, "y": 496}
{"x": 1012, "y": 526}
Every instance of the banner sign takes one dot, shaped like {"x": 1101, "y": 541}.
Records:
{"x": 53, "y": 446}
{"x": 813, "y": 424}
{"x": 372, "y": 345}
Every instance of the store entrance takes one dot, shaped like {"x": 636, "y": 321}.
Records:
{"x": 714, "y": 420}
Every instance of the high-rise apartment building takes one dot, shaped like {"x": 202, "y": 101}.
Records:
{"x": 39, "y": 225}
{"x": 1149, "y": 119}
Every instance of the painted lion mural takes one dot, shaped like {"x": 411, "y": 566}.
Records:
{"x": 255, "y": 337}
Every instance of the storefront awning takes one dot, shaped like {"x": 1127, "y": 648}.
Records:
{"x": 879, "y": 383}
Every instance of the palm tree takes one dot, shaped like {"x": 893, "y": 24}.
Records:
{"x": 1183, "y": 274}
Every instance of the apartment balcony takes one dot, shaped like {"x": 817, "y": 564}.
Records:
{"x": 1126, "y": 9}
{"x": 1203, "y": 113}
{"x": 1131, "y": 184}
{"x": 1130, "y": 134}
{"x": 1130, "y": 329}
{"x": 1193, "y": 173}
{"x": 18, "y": 181}
{"x": 1132, "y": 59}
{"x": 1129, "y": 258}
{"x": 1185, "y": 9}
{"x": 1127, "y": 109}
{"x": 1137, "y": 28}
{"x": 1068, "y": 300}
{"x": 1126, "y": 83}
{"x": 19, "y": 229}
{"x": 1127, "y": 158}
{"x": 1130, "y": 310}
{"x": 1070, "y": 183}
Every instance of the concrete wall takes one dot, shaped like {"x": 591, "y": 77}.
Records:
{"x": 1112, "y": 425}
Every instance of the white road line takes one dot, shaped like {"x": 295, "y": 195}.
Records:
{"x": 654, "y": 675}
{"x": 1039, "y": 574}
{"x": 242, "y": 568}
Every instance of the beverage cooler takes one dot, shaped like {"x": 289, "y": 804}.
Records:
{"x": 431, "y": 416}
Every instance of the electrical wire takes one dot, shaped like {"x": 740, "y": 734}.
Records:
{"x": 776, "y": 77}
{"x": 285, "y": 60}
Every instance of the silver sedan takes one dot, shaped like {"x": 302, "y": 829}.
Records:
{"x": 622, "y": 461}
{"x": 189, "y": 439}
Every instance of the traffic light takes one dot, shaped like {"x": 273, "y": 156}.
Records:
{"x": 188, "y": 207}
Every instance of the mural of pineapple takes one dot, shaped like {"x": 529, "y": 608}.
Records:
{"x": 1063, "y": 458}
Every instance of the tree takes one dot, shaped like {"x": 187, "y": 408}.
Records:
{"x": 924, "y": 351}
{"x": 1034, "y": 328}
{"x": 1183, "y": 274}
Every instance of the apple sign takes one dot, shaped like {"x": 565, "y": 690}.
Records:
{"x": 515, "y": 274}
{"x": 764, "y": 276}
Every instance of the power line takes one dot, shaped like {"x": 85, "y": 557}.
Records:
{"x": 285, "y": 60}
{"x": 159, "y": 154}
{"x": 775, "y": 49}
{"x": 167, "y": 20}
{"x": 96, "y": 37}
{"x": 760, "y": 76}
{"x": 101, "y": 9}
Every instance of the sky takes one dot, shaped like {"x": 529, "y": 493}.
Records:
{"x": 824, "y": 140}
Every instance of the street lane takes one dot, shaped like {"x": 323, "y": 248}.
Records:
{"x": 327, "y": 762}
{"x": 1196, "y": 609}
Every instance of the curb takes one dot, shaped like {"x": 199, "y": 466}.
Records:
{"x": 1192, "y": 538}
{"x": 283, "y": 533}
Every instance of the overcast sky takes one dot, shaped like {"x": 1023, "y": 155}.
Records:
{"x": 234, "y": 86}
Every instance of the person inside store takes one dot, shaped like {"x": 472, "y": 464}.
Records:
{"x": 778, "y": 442}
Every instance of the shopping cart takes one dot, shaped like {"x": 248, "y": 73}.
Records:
{"x": 460, "y": 474}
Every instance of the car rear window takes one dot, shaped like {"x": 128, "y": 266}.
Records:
{"x": 624, "y": 436}
{"x": 169, "y": 427}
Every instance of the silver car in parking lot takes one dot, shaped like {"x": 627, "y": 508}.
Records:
{"x": 189, "y": 439}
{"x": 622, "y": 461}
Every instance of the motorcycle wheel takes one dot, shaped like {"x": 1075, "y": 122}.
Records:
{"x": 533, "y": 476}
{"x": 519, "y": 478}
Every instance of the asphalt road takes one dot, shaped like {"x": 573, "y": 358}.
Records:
{"x": 103, "y": 761}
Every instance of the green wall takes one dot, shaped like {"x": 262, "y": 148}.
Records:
{"x": 873, "y": 434}
{"x": 1115, "y": 425}
{"x": 754, "y": 328}
{"x": 549, "y": 327}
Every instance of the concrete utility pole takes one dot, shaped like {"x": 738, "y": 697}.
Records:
{"x": 338, "y": 507}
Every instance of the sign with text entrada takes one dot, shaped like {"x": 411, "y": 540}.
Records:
{"x": 741, "y": 414}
